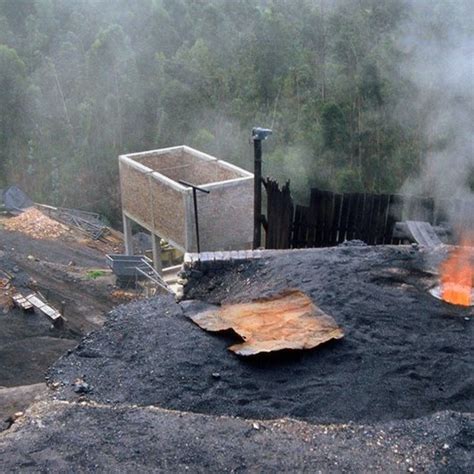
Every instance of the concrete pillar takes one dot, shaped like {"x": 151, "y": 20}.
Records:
{"x": 127, "y": 234}
{"x": 156, "y": 247}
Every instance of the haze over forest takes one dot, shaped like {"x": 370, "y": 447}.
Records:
{"x": 363, "y": 95}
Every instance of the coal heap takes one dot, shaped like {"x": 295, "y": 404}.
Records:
{"x": 405, "y": 353}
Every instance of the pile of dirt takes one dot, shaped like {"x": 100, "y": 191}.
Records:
{"x": 36, "y": 224}
{"x": 405, "y": 353}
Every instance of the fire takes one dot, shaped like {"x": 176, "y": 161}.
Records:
{"x": 457, "y": 274}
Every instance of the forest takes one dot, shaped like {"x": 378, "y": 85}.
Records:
{"x": 361, "y": 94}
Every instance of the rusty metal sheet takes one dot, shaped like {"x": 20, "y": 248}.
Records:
{"x": 289, "y": 320}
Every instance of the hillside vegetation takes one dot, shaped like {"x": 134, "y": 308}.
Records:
{"x": 86, "y": 80}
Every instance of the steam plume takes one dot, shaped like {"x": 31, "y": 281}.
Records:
{"x": 439, "y": 50}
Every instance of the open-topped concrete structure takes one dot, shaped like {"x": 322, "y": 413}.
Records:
{"x": 153, "y": 197}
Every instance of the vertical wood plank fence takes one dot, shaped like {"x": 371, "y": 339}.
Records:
{"x": 331, "y": 218}
{"x": 280, "y": 212}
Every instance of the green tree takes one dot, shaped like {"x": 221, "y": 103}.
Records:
{"x": 13, "y": 116}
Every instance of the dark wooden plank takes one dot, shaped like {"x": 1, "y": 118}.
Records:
{"x": 336, "y": 219}
{"x": 279, "y": 215}
{"x": 382, "y": 219}
{"x": 300, "y": 235}
{"x": 307, "y": 228}
{"x": 352, "y": 216}
{"x": 287, "y": 218}
{"x": 359, "y": 218}
{"x": 324, "y": 216}
{"x": 368, "y": 230}
{"x": 296, "y": 236}
{"x": 314, "y": 217}
{"x": 318, "y": 214}
{"x": 374, "y": 220}
{"x": 326, "y": 220}
{"x": 343, "y": 222}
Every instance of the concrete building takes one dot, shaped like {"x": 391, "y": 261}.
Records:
{"x": 153, "y": 197}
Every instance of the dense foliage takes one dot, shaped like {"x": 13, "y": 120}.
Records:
{"x": 83, "y": 81}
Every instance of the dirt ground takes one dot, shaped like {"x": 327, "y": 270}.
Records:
{"x": 64, "y": 437}
{"x": 405, "y": 354}
{"x": 395, "y": 395}
{"x": 18, "y": 399}
{"x": 58, "y": 268}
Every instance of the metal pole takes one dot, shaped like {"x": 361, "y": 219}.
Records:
{"x": 196, "y": 219}
{"x": 257, "y": 210}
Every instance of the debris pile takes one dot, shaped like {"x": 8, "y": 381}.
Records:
{"x": 89, "y": 223}
{"x": 35, "y": 224}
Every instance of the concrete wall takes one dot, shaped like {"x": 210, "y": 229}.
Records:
{"x": 152, "y": 197}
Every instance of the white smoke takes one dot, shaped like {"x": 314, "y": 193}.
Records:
{"x": 438, "y": 45}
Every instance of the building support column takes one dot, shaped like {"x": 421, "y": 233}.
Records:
{"x": 127, "y": 234}
{"x": 156, "y": 247}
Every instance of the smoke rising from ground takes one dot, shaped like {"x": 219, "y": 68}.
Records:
{"x": 439, "y": 50}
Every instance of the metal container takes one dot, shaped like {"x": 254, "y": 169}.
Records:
{"x": 125, "y": 266}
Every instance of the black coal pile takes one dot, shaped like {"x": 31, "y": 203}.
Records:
{"x": 59, "y": 437}
{"x": 405, "y": 354}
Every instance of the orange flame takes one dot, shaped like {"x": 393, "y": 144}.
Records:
{"x": 457, "y": 274}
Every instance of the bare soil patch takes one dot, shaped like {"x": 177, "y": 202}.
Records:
{"x": 57, "y": 267}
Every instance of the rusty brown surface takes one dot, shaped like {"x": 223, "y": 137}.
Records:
{"x": 289, "y": 320}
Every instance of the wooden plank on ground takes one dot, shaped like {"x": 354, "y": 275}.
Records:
{"x": 20, "y": 301}
{"x": 52, "y": 313}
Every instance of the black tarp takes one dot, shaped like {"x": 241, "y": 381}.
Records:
{"x": 15, "y": 200}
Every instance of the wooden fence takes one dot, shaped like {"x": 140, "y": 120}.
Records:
{"x": 280, "y": 215}
{"x": 332, "y": 218}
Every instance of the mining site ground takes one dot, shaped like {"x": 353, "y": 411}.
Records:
{"x": 29, "y": 344}
{"x": 405, "y": 354}
{"x": 157, "y": 393}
